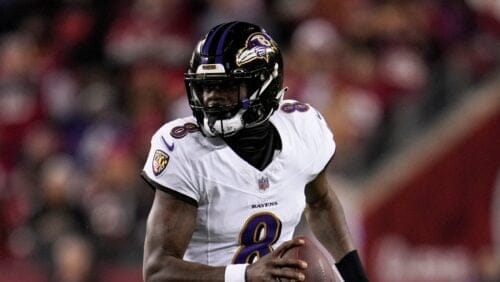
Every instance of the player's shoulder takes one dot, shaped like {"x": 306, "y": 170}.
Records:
{"x": 301, "y": 120}
{"x": 297, "y": 113}
{"x": 179, "y": 136}
{"x": 303, "y": 127}
{"x": 178, "y": 128}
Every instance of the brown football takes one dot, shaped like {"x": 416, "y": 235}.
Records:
{"x": 319, "y": 268}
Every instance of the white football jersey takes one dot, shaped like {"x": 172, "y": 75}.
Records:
{"x": 243, "y": 213}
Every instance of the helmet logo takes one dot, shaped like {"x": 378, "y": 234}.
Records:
{"x": 258, "y": 46}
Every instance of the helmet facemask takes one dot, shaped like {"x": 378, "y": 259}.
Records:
{"x": 238, "y": 101}
{"x": 218, "y": 104}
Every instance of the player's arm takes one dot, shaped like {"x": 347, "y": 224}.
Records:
{"x": 170, "y": 225}
{"x": 326, "y": 219}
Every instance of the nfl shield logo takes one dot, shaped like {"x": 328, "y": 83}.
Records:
{"x": 263, "y": 184}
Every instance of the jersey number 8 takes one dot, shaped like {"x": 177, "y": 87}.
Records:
{"x": 260, "y": 231}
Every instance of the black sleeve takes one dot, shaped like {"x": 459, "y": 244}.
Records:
{"x": 155, "y": 186}
{"x": 351, "y": 269}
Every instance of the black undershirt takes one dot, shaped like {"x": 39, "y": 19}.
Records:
{"x": 256, "y": 145}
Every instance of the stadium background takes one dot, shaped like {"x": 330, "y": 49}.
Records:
{"x": 410, "y": 88}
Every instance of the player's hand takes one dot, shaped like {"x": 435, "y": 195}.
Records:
{"x": 272, "y": 267}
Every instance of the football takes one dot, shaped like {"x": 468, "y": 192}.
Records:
{"x": 319, "y": 268}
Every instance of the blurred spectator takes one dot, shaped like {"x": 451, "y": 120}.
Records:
{"x": 73, "y": 260}
{"x": 152, "y": 90}
{"x": 73, "y": 26}
{"x": 488, "y": 266}
{"x": 488, "y": 15}
{"x": 59, "y": 88}
{"x": 19, "y": 99}
{"x": 111, "y": 203}
{"x": 336, "y": 79}
{"x": 219, "y": 11}
{"x": 151, "y": 30}
{"x": 57, "y": 209}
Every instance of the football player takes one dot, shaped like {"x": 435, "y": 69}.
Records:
{"x": 233, "y": 180}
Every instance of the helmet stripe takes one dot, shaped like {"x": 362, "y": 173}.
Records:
{"x": 220, "y": 46}
{"x": 208, "y": 41}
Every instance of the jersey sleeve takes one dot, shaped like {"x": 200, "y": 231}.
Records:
{"x": 168, "y": 167}
{"x": 322, "y": 143}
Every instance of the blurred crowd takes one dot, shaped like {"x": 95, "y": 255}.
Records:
{"x": 85, "y": 83}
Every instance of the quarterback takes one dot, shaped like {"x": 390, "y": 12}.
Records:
{"x": 232, "y": 181}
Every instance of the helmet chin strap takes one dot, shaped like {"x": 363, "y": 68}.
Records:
{"x": 280, "y": 94}
{"x": 223, "y": 127}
